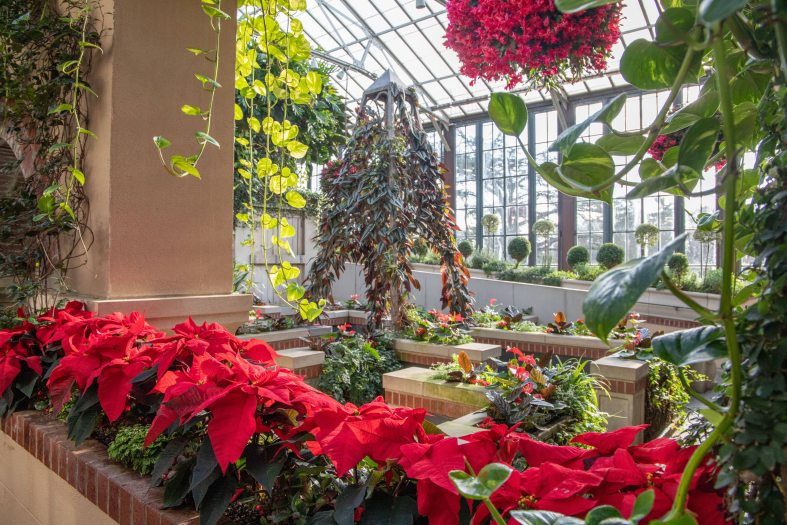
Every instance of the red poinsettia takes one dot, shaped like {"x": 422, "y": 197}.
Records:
{"x": 530, "y": 39}
{"x": 15, "y": 350}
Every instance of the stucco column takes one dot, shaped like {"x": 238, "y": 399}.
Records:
{"x": 161, "y": 245}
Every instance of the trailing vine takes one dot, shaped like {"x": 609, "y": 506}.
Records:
{"x": 181, "y": 165}
{"x": 45, "y": 56}
{"x": 385, "y": 191}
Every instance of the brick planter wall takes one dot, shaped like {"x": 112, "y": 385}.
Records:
{"x": 539, "y": 343}
{"x": 121, "y": 494}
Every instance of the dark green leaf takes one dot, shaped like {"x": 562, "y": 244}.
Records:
{"x": 207, "y": 467}
{"x": 575, "y": 6}
{"x": 324, "y": 517}
{"x": 543, "y": 517}
{"x": 161, "y": 142}
{"x": 263, "y": 466}
{"x": 177, "y": 487}
{"x": 216, "y": 500}
{"x": 587, "y": 165}
{"x": 697, "y": 144}
{"x": 687, "y": 347}
{"x": 165, "y": 460}
{"x": 203, "y": 137}
{"x": 674, "y": 25}
{"x": 347, "y": 502}
{"x": 384, "y": 509}
{"x": 84, "y": 415}
{"x": 509, "y": 113}
{"x": 599, "y": 514}
{"x": 606, "y": 114}
{"x": 616, "y": 291}
{"x": 648, "y": 66}
{"x": 705, "y": 106}
{"x": 671, "y": 180}
{"x": 642, "y": 505}
{"x": 617, "y": 145}
{"x": 712, "y": 11}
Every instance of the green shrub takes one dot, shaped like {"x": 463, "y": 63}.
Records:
{"x": 691, "y": 282}
{"x": 552, "y": 279}
{"x": 354, "y": 367}
{"x": 678, "y": 264}
{"x": 646, "y": 235}
{"x": 491, "y": 222}
{"x": 610, "y": 255}
{"x": 532, "y": 275}
{"x": 519, "y": 249}
{"x": 478, "y": 260}
{"x": 712, "y": 281}
{"x": 128, "y": 448}
{"x": 495, "y": 266}
{"x": 466, "y": 249}
{"x": 577, "y": 255}
{"x": 588, "y": 272}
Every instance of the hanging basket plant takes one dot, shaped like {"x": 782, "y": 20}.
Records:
{"x": 530, "y": 40}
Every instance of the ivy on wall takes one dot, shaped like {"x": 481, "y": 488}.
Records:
{"x": 45, "y": 55}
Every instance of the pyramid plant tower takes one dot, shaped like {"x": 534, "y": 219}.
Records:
{"x": 386, "y": 191}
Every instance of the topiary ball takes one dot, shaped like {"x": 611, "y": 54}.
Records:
{"x": 465, "y": 248}
{"x": 678, "y": 264}
{"x": 519, "y": 249}
{"x": 610, "y": 255}
{"x": 577, "y": 255}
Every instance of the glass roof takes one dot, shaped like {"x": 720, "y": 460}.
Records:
{"x": 363, "y": 38}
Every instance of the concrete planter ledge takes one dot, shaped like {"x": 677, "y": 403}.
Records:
{"x": 427, "y": 354}
{"x": 303, "y": 361}
{"x": 290, "y": 338}
{"x": 338, "y": 317}
{"x": 541, "y": 343}
{"x": 46, "y": 480}
{"x": 271, "y": 310}
{"x": 412, "y": 387}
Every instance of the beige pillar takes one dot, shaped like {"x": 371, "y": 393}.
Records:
{"x": 627, "y": 383}
{"x": 161, "y": 245}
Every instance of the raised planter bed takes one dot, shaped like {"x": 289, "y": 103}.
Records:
{"x": 290, "y": 338}
{"x": 46, "y": 480}
{"x": 271, "y": 310}
{"x": 427, "y": 354}
{"x": 412, "y": 387}
{"x": 541, "y": 343}
{"x": 340, "y": 317}
{"x": 305, "y": 362}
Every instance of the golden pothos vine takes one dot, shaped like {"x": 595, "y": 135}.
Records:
{"x": 275, "y": 158}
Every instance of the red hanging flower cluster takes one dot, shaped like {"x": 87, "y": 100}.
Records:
{"x": 530, "y": 39}
{"x": 665, "y": 142}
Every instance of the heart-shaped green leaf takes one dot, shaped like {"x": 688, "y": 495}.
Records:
{"x": 647, "y": 65}
{"x": 616, "y": 291}
{"x": 508, "y": 112}
{"x": 687, "y": 347}
{"x": 568, "y": 138}
{"x": 481, "y": 487}
{"x": 543, "y": 517}
{"x": 642, "y": 505}
{"x": 673, "y": 26}
{"x": 618, "y": 145}
{"x": 697, "y": 144}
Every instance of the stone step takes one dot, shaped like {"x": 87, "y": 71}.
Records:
{"x": 296, "y": 358}
{"x": 420, "y": 353}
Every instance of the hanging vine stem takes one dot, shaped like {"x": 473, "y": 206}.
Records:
{"x": 726, "y": 305}
{"x": 179, "y": 165}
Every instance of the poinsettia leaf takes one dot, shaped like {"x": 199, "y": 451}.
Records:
{"x": 606, "y": 114}
{"x": 177, "y": 487}
{"x": 509, "y": 113}
{"x": 263, "y": 466}
{"x": 686, "y": 347}
{"x": 384, "y": 509}
{"x": 166, "y": 459}
{"x": 543, "y": 517}
{"x": 81, "y": 427}
{"x": 206, "y": 466}
{"x": 346, "y": 503}
{"x": 216, "y": 500}
{"x": 616, "y": 291}
{"x": 643, "y": 505}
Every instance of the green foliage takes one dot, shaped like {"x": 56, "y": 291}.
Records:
{"x": 678, "y": 264}
{"x": 45, "y": 58}
{"x": 587, "y": 272}
{"x": 712, "y": 282}
{"x": 491, "y": 223}
{"x": 577, "y": 255}
{"x": 646, "y": 235}
{"x": 354, "y": 367}
{"x": 577, "y": 391}
{"x": 519, "y": 249}
{"x": 666, "y": 400}
{"x": 535, "y": 275}
{"x": 466, "y": 248}
{"x": 610, "y": 255}
{"x": 128, "y": 448}
{"x": 479, "y": 260}
{"x": 494, "y": 267}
